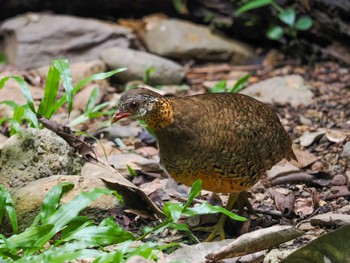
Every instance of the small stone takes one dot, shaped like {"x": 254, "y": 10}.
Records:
{"x": 339, "y": 179}
{"x": 346, "y": 150}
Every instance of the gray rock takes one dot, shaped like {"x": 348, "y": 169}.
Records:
{"x": 346, "y": 150}
{"x": 185, "y": 40}
{"x": 288, "y": 89}
{"x": 36, "y": 154}
{"x": 33, "y": 40}
{"x": 12, "y": 92}
{"x": 137, "y": 62}
{"x": 79, "y": 70}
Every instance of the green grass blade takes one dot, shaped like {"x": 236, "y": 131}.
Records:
{"x": 92, "y": 100}
{"x": 195, "y": 191}
{"x": 31, "y": 117}
{"x": 62, "y": 66}
{"x": 69, "y": 211}
{"x": 253, "y": 4}
{"x": 65, "y": 253}
{"x": 24, "y": 88}
{"x": 83, "y": 82}
{"x": 206, "y": 208}
{"x": 2, "y": 205}
{"x": 13, "y": 105}
{"x": 28, "y": 237}
{"x": 218, "y": 87}
{"x": 50, "y": 93}
{"x": 9, "y": 207}
{"x": 107, "y": 233}
{"x": 15, "y": 126}
{"x": 240, "y": 84}
{"x": 51, "y": 201}
{"x": 98, "y": 76}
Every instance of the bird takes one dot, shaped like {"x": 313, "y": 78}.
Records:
{"x": 228, "y": 140}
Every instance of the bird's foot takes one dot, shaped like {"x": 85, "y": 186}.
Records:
{"x": 215, "y": 231}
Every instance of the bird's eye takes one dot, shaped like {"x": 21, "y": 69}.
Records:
{"x": 134, "y": 105}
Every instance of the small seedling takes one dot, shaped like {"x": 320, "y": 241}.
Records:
{"x": 221, "y": 86}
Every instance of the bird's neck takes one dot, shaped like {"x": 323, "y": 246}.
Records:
{"x": 161, "y": 115}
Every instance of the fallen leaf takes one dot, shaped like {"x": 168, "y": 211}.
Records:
{"x": 330, "y": 219}
{"x": 303, "y": 207}
{"x": 256, "y": 241}
{"x": 336, "y": 136}
{"x": 134, "y": 197}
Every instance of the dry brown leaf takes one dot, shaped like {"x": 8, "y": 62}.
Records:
{"x": 134, "y": 197}
{"x": 256, "y": 241}
{"x": 303, "y": 207}
{"x": 284, "y": 203}
{"x": 336, "y": 136}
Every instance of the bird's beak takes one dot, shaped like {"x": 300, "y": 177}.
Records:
{"x": 119, "y": 115}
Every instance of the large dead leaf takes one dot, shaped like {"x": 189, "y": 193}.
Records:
{"x": 134, "y": 197}
{"x": 256, "y": 241}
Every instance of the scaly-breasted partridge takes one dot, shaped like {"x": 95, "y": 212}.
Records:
{"x": 227, "y": 140}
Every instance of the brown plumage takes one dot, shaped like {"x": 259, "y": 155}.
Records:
{"x": 227, "y": 140}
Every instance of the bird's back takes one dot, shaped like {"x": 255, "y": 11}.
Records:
{"x": 227, "y": 140}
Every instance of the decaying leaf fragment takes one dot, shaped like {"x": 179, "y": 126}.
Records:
{"x": 256, "y": 241}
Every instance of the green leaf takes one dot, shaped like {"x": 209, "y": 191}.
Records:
{"x": 52, "y": 200}
{"x": 15, "y": 126}
{"x": 92, "y": 100}
{"x": 65, "y": 253}
{"x": 218, "y": 87}
{"x": 98, "y": 76}
{"x": 275, "y": 33}
{"x": 132, "y": 172}
{"x": 254, "y": 4}
{"x": 3, "y": 59}
{"x": 28, "y": 237}
{"x": 18, "y": 114}
{"x": 69, "y": 211}
{"x": 240, "y": 84}
{"x": 206, "y": 208}
{"x": 13, "y": 105}
{"x": 304, "y": 23}
{"x": 62, "y": 66}
{"x": 31, "y": 117}
{"x": 147, "y": 75}
{"x": 194, "y": 192}
{"x": 24, "y": 88}
{"x": 173, "y": 211}
{"x": 106, "y": 233}
{"x": 287, "y": 16}
{"x": 7, "y": 205}
{"x": 50, "y": 92}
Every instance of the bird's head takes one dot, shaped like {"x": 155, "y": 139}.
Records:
{"x": 136, "y": 103}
